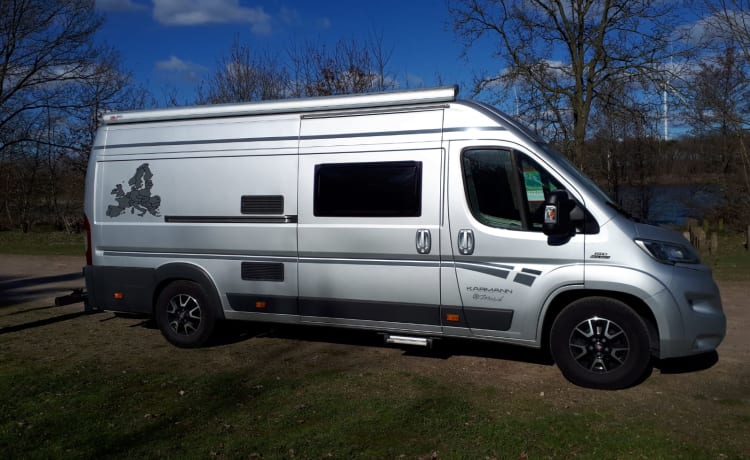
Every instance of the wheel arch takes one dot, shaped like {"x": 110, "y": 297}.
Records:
{"x": 176, "y": 271}
{"x": 565, "y": 298}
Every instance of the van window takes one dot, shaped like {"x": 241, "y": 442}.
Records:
{"x": 488, "y": 179}
{"x": 384, "y": 189}
{"x": 506, "y": 189}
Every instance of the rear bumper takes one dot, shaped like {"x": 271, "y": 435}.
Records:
{"x": 121, "y": 289}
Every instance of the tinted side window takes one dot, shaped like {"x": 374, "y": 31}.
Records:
{"x": 490, "y": 190}
{"x": 386, "y": 189}
{"x": 506, "y": 189}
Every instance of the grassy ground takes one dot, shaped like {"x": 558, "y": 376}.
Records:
{"x": 93, "y": 387}
{"x": 97, "y": 386}
{"x": 41, "y": 243}
{"x": 732, "y": 260}
{"x": 86, "y": 413}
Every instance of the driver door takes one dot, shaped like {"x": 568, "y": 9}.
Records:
{"x": 504, "y": 265}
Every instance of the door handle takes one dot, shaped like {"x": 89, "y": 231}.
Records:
{"x": 424, "y": 241}
{"x": 466, "y": 242}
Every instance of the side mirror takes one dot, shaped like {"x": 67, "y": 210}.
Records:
{"x": 557, "y": 225}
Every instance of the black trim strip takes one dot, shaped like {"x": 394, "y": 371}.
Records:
{"x": 501, "y": 271}
{"x": 480, "y": 128}
{"x": 263, "y": 304}
{"x": 183, "y": 253}
{"x": 522, "y": 278}
{"x": 530, "y": 271}
{"x": 489, "y": 318}
{"x": 371, "y": 311}
{"x": 231, "y": 219}
{"x": 337, "y": 309}
{"x": 363, "y": 259}
{"x": 478, "y": 260}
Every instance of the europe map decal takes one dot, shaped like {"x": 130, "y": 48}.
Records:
{"x": 139, "y": 197}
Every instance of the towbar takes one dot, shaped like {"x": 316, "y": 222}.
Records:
{"x": 78, "y": 295}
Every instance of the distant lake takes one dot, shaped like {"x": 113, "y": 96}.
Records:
{"x": 672, "y": 204}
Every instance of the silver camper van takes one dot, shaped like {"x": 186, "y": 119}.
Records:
{"x": 412, "y": 213}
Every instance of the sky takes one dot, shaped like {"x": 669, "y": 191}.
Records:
{"x": 169, "y": 45}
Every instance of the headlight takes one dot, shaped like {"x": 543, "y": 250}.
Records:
{"x": 669, "y": 253}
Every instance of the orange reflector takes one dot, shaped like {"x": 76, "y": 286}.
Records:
{"x": 452, "y": 317}
{"x": 260, "y": 304}
{"x": 118, "y": 296}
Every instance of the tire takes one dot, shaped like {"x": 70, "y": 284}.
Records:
{"x": 599, "y": 342}
{"x": 185, "y": 315}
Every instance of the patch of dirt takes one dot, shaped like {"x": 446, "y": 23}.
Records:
{"x": 694, "y": 398}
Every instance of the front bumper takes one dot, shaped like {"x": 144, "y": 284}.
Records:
{"x": 697, "y": 308}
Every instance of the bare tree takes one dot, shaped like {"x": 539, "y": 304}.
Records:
{"x": 720, "y": 114}
{"x": 730, "y": 21}
{"x": 54, "y": 82}
{"x": 244, "y": 76}
{"x": 624, "y": 152}
{"x": 565, "y": 51}
{"x": 721, "y": 117}
{"x": 381, "y": 57}
{"x": 43, "y": 45}
{"x": 350, "y": 67}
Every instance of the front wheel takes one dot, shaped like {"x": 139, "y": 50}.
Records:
{"x": 598, "y": 342}
{"x": 184, "y": 314}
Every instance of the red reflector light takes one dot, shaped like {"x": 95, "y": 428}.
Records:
{"x": 260, "y": 304}
{"x": 452, "y": 317}
{"x": 118, "y": 296}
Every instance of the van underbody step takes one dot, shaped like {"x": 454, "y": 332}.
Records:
{"x": 408, "y": 340}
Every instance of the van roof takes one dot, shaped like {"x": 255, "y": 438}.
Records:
{"x": 311, "y": 104}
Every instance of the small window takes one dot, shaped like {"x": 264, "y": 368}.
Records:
{"x": 385, "y": 189}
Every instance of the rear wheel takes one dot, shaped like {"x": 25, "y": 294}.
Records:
{"x": 598, "y": 342}
{"x": 184, "y": 314}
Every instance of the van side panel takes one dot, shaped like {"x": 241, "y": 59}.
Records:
{"x": 366, "y": 270}
{"x": 216, "y": 204}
